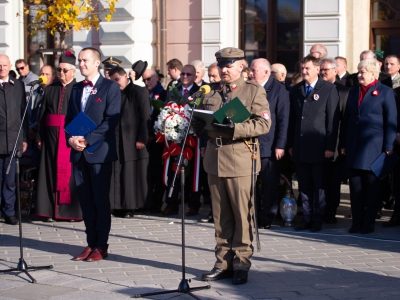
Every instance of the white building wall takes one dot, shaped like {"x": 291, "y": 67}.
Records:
{"x": 325, "y": 23}
{"x": 11, "y": 29}
{"x": 128, "y": 37}
{"x": 220, "y": 27}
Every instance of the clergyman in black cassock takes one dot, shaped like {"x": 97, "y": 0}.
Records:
{"x": 129, "y": 186}
{"x": 56, "y": 195}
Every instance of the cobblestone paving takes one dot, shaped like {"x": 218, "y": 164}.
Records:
{"x": 145, "y": 256}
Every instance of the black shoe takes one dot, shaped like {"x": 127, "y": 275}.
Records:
{"x": 192, "y": 212}
{"x": 354, "y": 229}
{"x": 208, "y": 219}
{"x": 216, "y": 274}
{"x": 394, "y": 221}
{"x": 304, "y": 226}
{"x": 367, "y": 229}
{"x": 316, "y": 226}
{"x": 264, "y": 225}
{"x": 128, "y": 215}
{"x": 389, "y": 204}
{"x": 378, "y": 215}
{"x": 240, "y": 277}
{"x": 11, "y": 220}
{"x": 330, "y": 220}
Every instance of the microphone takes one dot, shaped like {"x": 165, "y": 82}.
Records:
{"x": 40, "y": 80}
{"x": 204, "y": 89}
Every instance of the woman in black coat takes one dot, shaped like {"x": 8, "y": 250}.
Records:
{"x": 368, "y": 129}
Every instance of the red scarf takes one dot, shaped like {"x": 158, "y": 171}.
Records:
{"x": 364, "y": 90}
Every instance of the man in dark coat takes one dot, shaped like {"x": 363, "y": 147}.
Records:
{"x": 174, "y": 71}
{"x": 56, "y": 191}
{"x": 156, "y": 187}
{"x": 129, "y": 181}
{"x": 100, "y": 100}
{"x": 395, "y": 218}
{"x": 341, "y": 69}
{"x": 272, "y": 144}
{"x": 313, "y": 127}
{"x": 185, "y": 87}
{"x": 12, "y": 107}
{"x": 336, "y": 166}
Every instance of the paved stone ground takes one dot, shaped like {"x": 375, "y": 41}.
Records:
{"x": 145, "y": 256}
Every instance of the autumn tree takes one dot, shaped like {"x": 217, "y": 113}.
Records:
{"x": 64, "y": 16}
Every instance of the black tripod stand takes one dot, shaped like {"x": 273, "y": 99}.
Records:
{"x": 183, "y": 287}
{"x": 22, "y": 266}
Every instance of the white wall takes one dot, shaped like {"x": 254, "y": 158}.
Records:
{"x": 325, "y": 23}
{"x": 11, "y": 29}
{"x": 128, "y": 37}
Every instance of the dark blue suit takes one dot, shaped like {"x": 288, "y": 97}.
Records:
{"x": 268, "y": 192}
{"x": 93, "y": 171}
{"x": 367, "y": 130}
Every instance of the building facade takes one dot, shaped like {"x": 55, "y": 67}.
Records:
{"x": 158, "y": 30}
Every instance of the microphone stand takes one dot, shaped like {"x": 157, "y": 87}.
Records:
{"x": 183, "y": 287}
{"x": 21, "y": 266}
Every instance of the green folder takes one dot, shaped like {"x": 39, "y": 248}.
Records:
{"x": 234, "y": 109}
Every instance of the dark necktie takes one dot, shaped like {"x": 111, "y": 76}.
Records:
{"x": 308, "y": 89}
{"x": 185, "y": 91}
{"x": 3, "y": 84}
{"x": 85, "y": 83}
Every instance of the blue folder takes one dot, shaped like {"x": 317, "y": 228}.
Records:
{"x": 384, "y": 164}
{"x": 82, "y": 125}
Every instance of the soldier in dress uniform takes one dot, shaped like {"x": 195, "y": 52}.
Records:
{"x": 228, "y": 161}
{"x": 110, "y": 63}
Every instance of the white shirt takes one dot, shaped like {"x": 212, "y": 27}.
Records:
{"x": 87, "y": 90}
{"x": 312, "y": 85}
{"x": 395, "y": 76}
{"x": 264, "y": 82}
{"x": 1, "y": 81}
{"x": 188, "y": 88}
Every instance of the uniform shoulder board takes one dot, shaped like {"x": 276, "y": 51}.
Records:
{"x": 253, "y": 83}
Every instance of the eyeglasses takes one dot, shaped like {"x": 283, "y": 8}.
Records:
{"x": 186, "y": 74}
{"x": 63, "y": 70}
{"x": 148, "y": 78}
{"x": 20, "y": 68}
{"x": 326, "y": 70}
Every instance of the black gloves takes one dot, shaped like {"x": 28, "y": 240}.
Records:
{"x": 227, "y": 126}
{"x": 198, "y": 125}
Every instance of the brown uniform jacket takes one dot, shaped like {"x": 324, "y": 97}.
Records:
{"x": 234, "y": 160}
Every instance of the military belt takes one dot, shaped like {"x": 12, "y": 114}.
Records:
{"x": 219, "y": 141}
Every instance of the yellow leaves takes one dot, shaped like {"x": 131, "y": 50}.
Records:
{"x": 66, "y": 15}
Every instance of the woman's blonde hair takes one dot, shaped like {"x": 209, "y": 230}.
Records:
{"x": 370, "y": 65}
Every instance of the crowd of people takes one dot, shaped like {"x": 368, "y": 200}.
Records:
{"x": 327, "y": 122}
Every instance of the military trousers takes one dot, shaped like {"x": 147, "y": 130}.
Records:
{"x": 232, "y": 211}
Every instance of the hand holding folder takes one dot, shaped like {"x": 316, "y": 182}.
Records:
{"x": 82, "y": 125}
{"x": 384, "y": 164}
{"x": 234, "y": 110}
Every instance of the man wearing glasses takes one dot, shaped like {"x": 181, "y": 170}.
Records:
{"x": 56, "y": 192}
{"x": 185, "y": 87}
{"x": 156, "y": 186}
{"x": 25, "y": 74}
{"x": 337, "y": 165}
